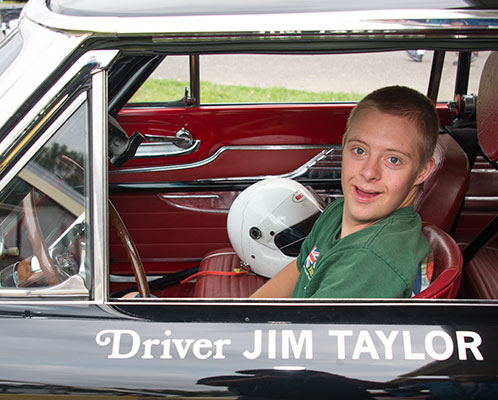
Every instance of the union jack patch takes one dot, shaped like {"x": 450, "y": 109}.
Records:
{"x": 309, "y": 265}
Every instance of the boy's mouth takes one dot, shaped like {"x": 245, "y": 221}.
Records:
{"x": 364, "y": 195}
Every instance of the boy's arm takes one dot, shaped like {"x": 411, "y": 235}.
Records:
{"x": 281, "y": 285}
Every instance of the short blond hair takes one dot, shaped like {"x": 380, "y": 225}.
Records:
{"x": 404, "y": 102}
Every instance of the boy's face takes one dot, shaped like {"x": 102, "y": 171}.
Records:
{"x": 380, "y": 168}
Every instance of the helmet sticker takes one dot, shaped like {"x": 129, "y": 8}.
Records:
{"x": 298, "y": 197}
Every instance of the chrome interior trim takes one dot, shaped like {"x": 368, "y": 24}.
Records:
{"x": 148, "y": 150}
{"x": 303, "y": 169}
{"x": 219, "y": 203}
{"x": 131, "y": 278}
{"x": 489, "y": 170}
{"x": 190, "y": 196}
{"x": 213, "y": 157}
{"x": 482, "y": 198}
{"x": 72, "y": 286}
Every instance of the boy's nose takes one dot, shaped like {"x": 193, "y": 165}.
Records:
{"x": 371, "y": 169}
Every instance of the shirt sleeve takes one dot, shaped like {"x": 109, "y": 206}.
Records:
{"x": 303, "y": 253}
{"x": 360, "y": 273}
{"x": 308, "y": 243}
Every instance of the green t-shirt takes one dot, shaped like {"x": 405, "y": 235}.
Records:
{"x": 379, "y": 261}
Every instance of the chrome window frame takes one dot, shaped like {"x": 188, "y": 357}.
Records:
{"x": 260, "y": 25}
{"x": 37, "y": 60}
{"x": 95, "y": 64}
{"x": 99, "y": 216}
{"x": 74, "y": 286}
{"x": 49, "y": 100}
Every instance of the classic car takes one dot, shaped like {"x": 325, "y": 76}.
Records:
{"x": 128, "y": 129}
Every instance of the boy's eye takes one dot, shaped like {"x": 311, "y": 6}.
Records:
{"x": 394, "y": 160}
{"x": 358, "y": 150}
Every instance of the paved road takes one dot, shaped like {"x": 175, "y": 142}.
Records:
{"x": 359, "y": 73}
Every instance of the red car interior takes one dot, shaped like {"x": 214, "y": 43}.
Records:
{"x": 212, "y": 283}
{"x": 444, "y": 191}
{"x": 177, "y": 229}
{"x": 481, "y": 255}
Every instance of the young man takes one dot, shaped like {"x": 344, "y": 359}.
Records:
{"x": 370, "y": 244}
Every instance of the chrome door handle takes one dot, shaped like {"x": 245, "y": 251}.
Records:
{"x": 183, "y": 139}
{"x": 168, "y": 146}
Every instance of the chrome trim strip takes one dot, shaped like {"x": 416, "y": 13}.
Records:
{"x": 320, "y": 24}
{"x": 98, "y": 220}
{"x": 482, "y": 198}
{"x": 489, "y": 170}
{"x": 199, "y": 302}
{"x": 291, "y": 175}
{"x": 169, "y": 199}
{"x": 190, "y": 196}
{"x": 213, "y": 157}
{"x": 98, "y": 216}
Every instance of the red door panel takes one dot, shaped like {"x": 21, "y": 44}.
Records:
{"x": 219, "y": 126}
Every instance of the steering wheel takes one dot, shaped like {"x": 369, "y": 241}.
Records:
{"x": 131, "y": 251}
{"x": 47, "y": 266}
{"x": 36, "y": 239}
{"x": 118, "y": 224}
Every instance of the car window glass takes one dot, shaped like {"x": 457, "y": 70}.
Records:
{"x": 42, "y": 222}
{"x": 478, "y": 59}
{"x": 167, "y": 83}
{"x": 303, "y": 78}
{"x": 257, "y": 78}
{"x": 448, "y": 76}
{"x": 260, "y": 78}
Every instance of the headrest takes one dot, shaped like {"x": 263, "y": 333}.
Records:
{"x": 487, "y": 108}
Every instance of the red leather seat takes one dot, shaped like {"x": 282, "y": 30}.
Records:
{"x": 446, "y": 278}
{"x": 448, "y": 262}
{"x": 480, "y": 277}
{"x": 443, "y": 194}
{"x": 223, "y": 286}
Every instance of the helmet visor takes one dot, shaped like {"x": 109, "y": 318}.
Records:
{"x": 289, "y": 240}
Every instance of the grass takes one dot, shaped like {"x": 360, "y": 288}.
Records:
{"x": 161, "y": 90}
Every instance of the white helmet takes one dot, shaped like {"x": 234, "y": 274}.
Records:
{"x": 268, "y": 222}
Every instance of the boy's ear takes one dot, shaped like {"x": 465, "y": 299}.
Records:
{"x": 425, "y": 171}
